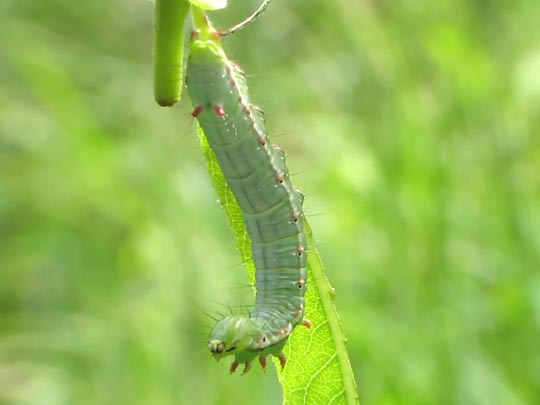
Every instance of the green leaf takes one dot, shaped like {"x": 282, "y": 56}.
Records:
{"x": 318, "y": 370}
{"x": 209, "y": 4}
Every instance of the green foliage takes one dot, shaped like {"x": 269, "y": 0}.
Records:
{"x": 413, "y": 130}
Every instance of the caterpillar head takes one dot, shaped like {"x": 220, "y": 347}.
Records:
{"x": 234, "y": 335}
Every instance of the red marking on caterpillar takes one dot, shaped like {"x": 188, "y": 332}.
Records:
{"x": 197, "y": 111}
{"x": 219, "y": 110}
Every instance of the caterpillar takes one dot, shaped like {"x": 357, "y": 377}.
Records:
{"x": 257, "y": 175}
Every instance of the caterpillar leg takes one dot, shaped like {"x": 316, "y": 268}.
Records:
{"x": 247, "y": 367}
{"x": 233, "y": 368}
{"x": 235, "y": 365}
{"x": 282, "y": 360}
{"x": 262, "y": 361}
{"x": 307, "y": 323}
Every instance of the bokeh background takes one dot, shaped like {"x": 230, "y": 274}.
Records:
{"x": 413, "y": 129}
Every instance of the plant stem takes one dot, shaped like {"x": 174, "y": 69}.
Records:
{"x": 202, "y": 24}
{"x": 169, "y": 17}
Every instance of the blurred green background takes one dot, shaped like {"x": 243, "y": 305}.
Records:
{"x": 413, "y": 129}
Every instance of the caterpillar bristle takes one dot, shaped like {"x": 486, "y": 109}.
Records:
{"x": 219, "y": 110}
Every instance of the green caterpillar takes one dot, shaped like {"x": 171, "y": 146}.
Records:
{"x": 272, "y": 209}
